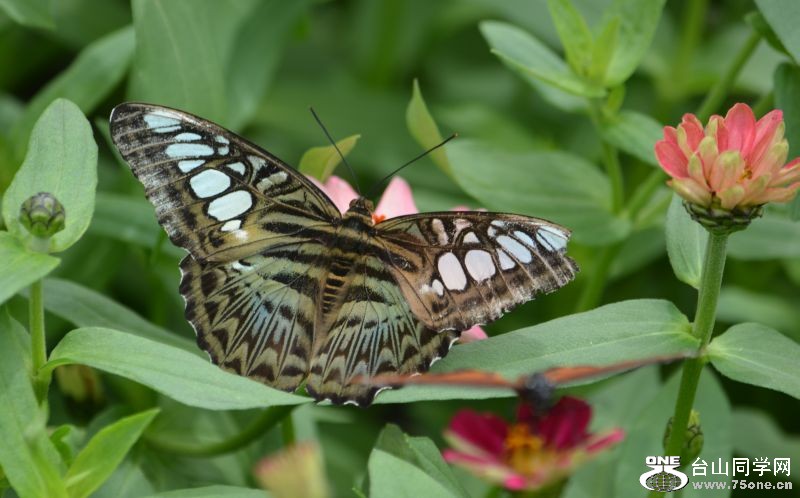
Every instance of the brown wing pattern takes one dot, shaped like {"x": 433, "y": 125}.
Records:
{"x": 459, "y": 269}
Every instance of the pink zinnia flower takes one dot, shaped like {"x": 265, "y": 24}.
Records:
{"x": 734, "y": 162}
{"x": 294, "y": 471}
{"x": 530, "y": 454}
{"x": 396, "y": 200}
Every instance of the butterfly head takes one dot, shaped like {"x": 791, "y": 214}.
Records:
{"x": 537, "y": 390}
{"x": 361, "y": 207}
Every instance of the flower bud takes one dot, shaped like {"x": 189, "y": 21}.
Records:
{"x": 721, "y": 221}
{"x": 297, "y": 470}
{"x": 42, "y": 215}
{"x": 692, "y": 440}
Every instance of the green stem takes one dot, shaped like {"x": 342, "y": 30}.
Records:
{"x": 614, "y": 171}
{"x": 494, "y": 492}
{"x": 644, "y": 193}
{"x": 724, "y": 83}
{"x": 287, "y": 431}
{"x": 593, "y": 290}
{"x": 692, "y": 22}
{"x": 263, "y": 423}
{"x": 704, "y": 318}
{"x": 41, "y": 380}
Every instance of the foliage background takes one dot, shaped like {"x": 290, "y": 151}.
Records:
{"x": 256, "y": 66}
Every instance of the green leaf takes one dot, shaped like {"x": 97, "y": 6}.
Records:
{"x": 131, "y": 220}
{"x": 686, "y": 243}
{"x": 787, "y": 99}
{"x": 529, "y": 57}
{"x": 213, "y": 492}
{"x": 783, "y": 16}
{"x": 634, "y": 133}
{"x": 104, "y": 452}
{"x": 604, "y": 48}
{"x": 176, "y": 373}
{"x": 393, "y": 477}
{"x": 645, "y": 437}
{"x": 554, "y": 185}
{"x": 320, "y": 162}
{"x": 32, "y": 13}
{"x": 210, "y": 57}
{"x": 96, "y": 71}
{"x": 756, "y": 354}
{"x": 84, "y": 307}
{"x": 755, "y": 434}
{"x": 61, "y": 160}
{"x": 27, "y": 456}
{"x": 576, "y": 38}
{"x": 610, "y": 334}
{"x": 780, "y": 312}
{"x": 424, "y": 129}
{"x": 422, "y": 453}
{"x": 759, "y": 24}
{"x": 774, "y": 236}
{"x": 638, "y": 20}
{"x": 20, "y": 267}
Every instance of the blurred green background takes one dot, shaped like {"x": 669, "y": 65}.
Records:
{"x": 256, "y": 67}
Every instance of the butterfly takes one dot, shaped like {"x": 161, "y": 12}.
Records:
{"x": 536, "y": 389}
{"x": 283, "y": 288}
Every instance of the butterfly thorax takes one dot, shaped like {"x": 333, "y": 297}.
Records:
{"x": 350, "y": 242}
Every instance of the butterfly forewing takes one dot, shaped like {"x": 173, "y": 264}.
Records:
{"x": 217, "y": 195}
{"x": 459, "y": 269}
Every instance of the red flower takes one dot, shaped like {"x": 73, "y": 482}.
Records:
{"x": 530, "y": 454}
{"x": 396, "y": 200}
{"x": 735, "y": 162}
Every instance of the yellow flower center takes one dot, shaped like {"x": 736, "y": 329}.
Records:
{"x": 524, "y": 451}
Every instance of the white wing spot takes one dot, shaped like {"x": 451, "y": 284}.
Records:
{"x": 162, "y": 121}
{"x": 257, "y": 162}
{"x": 209, "y": 182}
{"x": 524, "y": 237}
{"x": 479, "y": 264}
{"x": 223, "y": 151}
{"x": 231, "y": 225}
{"x": 556, "y": 239}
{"x": 506, "y": 263}
{"x": 187, "y": 137}
{"x": 491, "y": 232}
{"x": 460, "y": 224}
{"x": 438, "y": 229}
{"x": 237, "y": 167}
{"x": 240, "y": 267}
{"x": 271, "y": 180}
{"x": 471, "y": 238}
{"x": 438, "y": 287}
{"x": 515, "y": 248}
{"x": 188, "y": 165}
{"x": 188, "y": 150}
{"x": 451, "y": 272}
{"x": 221, "y": 139}
{"x": 230, "y": 205}
{"x": 498, "y": 223}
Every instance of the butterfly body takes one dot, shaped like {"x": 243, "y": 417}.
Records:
{"x": 283, "y": 288}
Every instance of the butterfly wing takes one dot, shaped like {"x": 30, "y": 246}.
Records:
{"x": 373, "y": 332}
{"x": 217, "y": 195}
{"x": 459, "y": 269}
{"x": 255, "y": 229}
{"x": 465, "y": 378}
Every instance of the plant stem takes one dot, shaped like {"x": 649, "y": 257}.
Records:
{"x": 263, "y": 423}
{"x": 494, "y": 492}
{"x": 644, "y": 192}
{"x": 593, "y": 290}
{"x": 614, "y": 171}
{"x": 704, "y": 318}
{"x": 692, "y": 22}
{"x": 287, "y": 431}
{"x": 41, "y": 381}
{"x": 724, "y": 83}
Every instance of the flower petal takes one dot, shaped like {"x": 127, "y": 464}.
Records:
{"x": 731, "y": 197}
{"x": 396, "y": 200}
{"x": 671, "y": 159}
{"x": 784, "y": 194}
{"x": 693, "y": 132}
{"x": 740, "y": 123}
{"x": 473, "y": 334}
{"x": 564, "y": 426}
{"x": 338, "y": 191}
{"x": 689, "y": 190}
{"x": 727, "y": 170}
{"x": 482, "y": 430}
{"x": 599, "y": 443}
{"x": 769, "y": 130}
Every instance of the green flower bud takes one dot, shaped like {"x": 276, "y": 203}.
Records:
{"x": 42, "y": 215}
{"x": 723, "y": 221}
{"x": 692, "y": 441}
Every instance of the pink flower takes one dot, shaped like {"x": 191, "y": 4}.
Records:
{"x": 396, "y": 200}
{"x": 735, "y": 161}
{"x": 530, "y": 454}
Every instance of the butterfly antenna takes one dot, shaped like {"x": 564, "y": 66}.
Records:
{"x": 330, "y": 139}
{"x": 409, "y": 163}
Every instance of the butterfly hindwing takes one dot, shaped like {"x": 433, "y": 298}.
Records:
{"x": 216, "y": 194}
{"x": 459, "y": 269}
{"x": 373, "y": 332}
